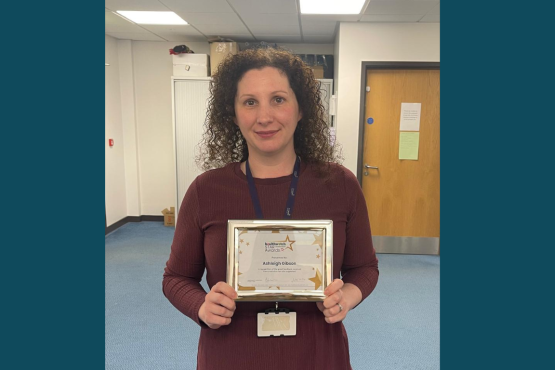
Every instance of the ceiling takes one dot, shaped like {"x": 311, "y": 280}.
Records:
{"x": 256, "y": 20}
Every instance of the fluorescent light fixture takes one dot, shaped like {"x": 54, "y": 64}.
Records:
{"x": 331, "y": 6}
{"x": 152, "y": 17}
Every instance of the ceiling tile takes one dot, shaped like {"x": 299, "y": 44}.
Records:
{"x": 330, "y": 17}
{"x": 318, "y": 28}
{"x": 134, "y": 36}
{"x": 211, "y": 18}
{"x": 198, "y": 6}
{"x": 182, "y": 38}
{"x": 434, "y": 10}
{"x": 220, "y": 29}
{"x": 115, "y": 23}
{"x": 391, "y": 18}
{"x": 264, "y": 19}
{"x": 280, "y": 38}
{"x": 400, "y": 7}
{"x": 264, "y": 6}
{"x": 282, "y": 29}
{"x": 139, "y": 5}
{"x": 430, "y": 18}
{"x": 172, "y": 29}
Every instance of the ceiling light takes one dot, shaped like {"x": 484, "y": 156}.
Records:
{"x": 152, "y": 17}
{"x": 331, "y": 6}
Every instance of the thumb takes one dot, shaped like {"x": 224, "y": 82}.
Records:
{"x": 320, "y": 306}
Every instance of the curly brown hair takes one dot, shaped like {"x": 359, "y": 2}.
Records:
{"x": 222, "y": 141}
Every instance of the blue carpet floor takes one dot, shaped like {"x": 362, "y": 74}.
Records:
{"x": 397, "y": 327}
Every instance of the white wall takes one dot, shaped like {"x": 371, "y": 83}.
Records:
{"x": 130, "y": 147}
{"x": 358, "y": 42}
{"x": 115, "y": 190}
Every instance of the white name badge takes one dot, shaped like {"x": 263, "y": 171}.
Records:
{"x": 278, "y": 324}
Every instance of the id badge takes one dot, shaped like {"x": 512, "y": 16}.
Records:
{"x": 277, "y": 324}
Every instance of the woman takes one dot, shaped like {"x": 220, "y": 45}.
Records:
{"x": 264, "y": 113}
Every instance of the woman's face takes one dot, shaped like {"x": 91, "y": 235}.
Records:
{"x": 266, "y": 111}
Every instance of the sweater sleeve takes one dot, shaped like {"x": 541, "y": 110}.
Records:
{"x": 185, "y": 267}
{"x": 360, "y": 264}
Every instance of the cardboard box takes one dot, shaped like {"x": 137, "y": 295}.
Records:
{"x": 318, "y": 71}
{"x": 218, "y": 52}
{"x": 191, "y": 65}
{"x": 169, "y": 216}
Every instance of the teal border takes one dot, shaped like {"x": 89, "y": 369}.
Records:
{"x": 53, "y": 198}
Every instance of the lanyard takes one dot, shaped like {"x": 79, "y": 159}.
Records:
{"x": 290, "y": 199}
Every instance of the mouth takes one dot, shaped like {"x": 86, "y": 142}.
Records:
{"x": 266, "y": 134}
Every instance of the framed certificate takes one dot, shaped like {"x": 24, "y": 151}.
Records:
{"x": 279, "y": 260}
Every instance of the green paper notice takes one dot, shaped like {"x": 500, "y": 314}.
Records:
{"x": 408, "y": 145}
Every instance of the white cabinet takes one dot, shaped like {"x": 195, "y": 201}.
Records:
{"x": 190, "y": 100}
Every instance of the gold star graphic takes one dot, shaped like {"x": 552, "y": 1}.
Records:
{"x": 317, "y": 256}
{"x": 317, "y": 279}
{"x": 240, "y": 252}
{"x": 248, "y": 244}
{"x": 318, "y": 239}
{"x": 287, "y": 240}
{"x": 241, "y": 240}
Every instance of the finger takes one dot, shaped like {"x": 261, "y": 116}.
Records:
{"x": 320, "y": 306}
{"x": 332, "y": 311}
{"x": 333, "y": 287}
{"x": 222, "y": 300}
{"x": 334, "y": 319}
{"x": 333, "y": 299}
{"x": 225, "y": 289}
{"x": 218, "y": 320}
{"x": 220, "y": 310}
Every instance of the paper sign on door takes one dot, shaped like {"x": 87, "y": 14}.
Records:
{"x": 410, "y": 116}
{"x": 408, "y": 145}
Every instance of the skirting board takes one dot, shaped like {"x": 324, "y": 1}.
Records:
{"x": 127, "y": 219}
{"x": 406, "y": 245}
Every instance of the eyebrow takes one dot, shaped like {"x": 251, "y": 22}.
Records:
{"x": 273, "y": 92}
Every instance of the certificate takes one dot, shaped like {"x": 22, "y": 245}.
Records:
{"x": 279, "y": 260}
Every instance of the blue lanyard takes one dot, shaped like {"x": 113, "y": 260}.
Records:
{"x": 290, "y": 199}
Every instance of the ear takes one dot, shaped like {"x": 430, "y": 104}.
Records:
{"x": 300, "y": 117}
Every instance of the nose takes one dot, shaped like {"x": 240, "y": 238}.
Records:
{"x": 265, "y": 114}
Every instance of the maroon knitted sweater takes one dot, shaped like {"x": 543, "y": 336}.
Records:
{"x": 200, "y": 242}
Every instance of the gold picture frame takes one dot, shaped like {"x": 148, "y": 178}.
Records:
{"x": 263, "y": 267}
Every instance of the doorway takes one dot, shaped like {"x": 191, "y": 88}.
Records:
{"x": 402, "y": 195}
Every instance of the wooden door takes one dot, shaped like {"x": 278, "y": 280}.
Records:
{"x": 402, "y": 196}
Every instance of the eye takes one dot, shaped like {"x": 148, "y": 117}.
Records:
{"x": 249, "y": 102}
{"x": 279, "y": 99}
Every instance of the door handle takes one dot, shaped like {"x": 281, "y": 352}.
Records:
{"x": 367, "y": 166}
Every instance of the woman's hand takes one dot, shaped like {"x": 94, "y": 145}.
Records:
{"x": 218, "y": 306}
{"x": 340, "y": 299}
